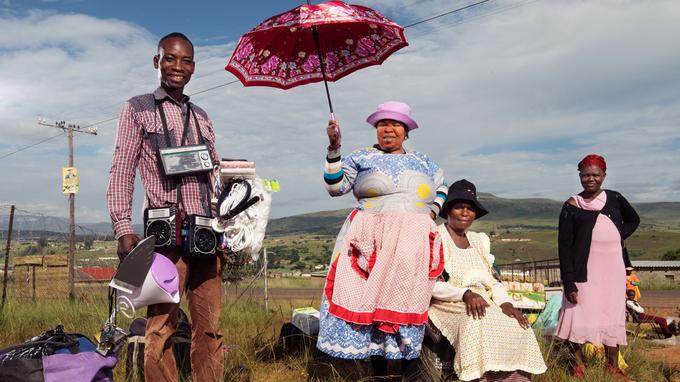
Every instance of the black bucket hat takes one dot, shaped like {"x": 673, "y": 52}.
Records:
{"x": 462, "y": 190}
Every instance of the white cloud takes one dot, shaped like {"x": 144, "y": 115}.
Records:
{"x": 510, "y": 97}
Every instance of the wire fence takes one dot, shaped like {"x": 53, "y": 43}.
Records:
{"x": 33, "y": 278}
{"x": 36, "y": 253}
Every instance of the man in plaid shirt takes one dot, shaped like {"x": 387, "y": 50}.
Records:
{"x": 140, "y": 135}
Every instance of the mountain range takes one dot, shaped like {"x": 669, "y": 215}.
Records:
{"x": 505, "y": 211}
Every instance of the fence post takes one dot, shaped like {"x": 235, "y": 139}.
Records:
{"x": 266, "y": 281}
{"x": 5, "y": 275}
{"x": 33, "y": 266}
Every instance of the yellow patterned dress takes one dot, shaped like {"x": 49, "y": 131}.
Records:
{"x": 496, "y": 342}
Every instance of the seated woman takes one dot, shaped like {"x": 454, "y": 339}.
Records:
{"x": 639, "y": 315}
{"x": 491, "y": 338}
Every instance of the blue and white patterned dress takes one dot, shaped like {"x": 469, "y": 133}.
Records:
{"x": 409, "y": 184}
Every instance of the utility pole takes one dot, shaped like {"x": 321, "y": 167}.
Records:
{"x": 69, "y": 130}
{"x": 5, "y": 275}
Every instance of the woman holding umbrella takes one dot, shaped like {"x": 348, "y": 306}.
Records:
{"x": 388, "y": 253}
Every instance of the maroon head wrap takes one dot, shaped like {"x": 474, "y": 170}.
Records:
{"x": 592, "y": 160}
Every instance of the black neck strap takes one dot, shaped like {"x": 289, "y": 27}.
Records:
{"x": 185, "y": 131}
{"x": 169, "y": 140}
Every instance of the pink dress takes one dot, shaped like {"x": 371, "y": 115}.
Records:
{"x": 600, "y": 315}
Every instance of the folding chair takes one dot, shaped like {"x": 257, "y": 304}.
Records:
{"x": 635, "y": 318}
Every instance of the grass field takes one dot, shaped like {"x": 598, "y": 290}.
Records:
{"x": 304, "y": 252}
{"x": 251, "y": 333}
{"x": 510, "y": 241}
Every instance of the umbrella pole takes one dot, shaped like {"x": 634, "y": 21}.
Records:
{"x": 315, "y": 34}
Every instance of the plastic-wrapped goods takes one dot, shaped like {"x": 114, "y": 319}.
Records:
{"x": 242, "y": 210}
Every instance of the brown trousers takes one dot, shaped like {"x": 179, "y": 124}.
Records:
{"x": 201, "y": 281}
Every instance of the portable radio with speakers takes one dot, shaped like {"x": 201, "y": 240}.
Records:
{"x": 199, "y": 237}
{"x": 161, "y": 222}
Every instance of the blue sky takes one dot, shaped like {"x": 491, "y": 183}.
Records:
{"x": 205, "y": 22}
{"x": 509, "y": 95}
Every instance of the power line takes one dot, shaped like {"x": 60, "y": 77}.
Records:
{"x": 190, "y": 95}
{"x": 481, "y": 16}
{"x": 113, "y": 118}
{"x": 446, "y": 13}
{"x": 119, "y": 103}
{"x": 110, "y": 119}
{"x": 32, "y": 145}
{"x": 213, "y": 88}
{"x": 235, "y": 81}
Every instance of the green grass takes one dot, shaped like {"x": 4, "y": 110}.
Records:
{"x": 540, "y": 243}
{"x": 651, "y": 245}
{"x": 288, "y": 282}
{"x": 639, "y": 368}
{"x": 302, "y": 252}
{"x": 246, "y": 326}
{"x": 251, "y": 335}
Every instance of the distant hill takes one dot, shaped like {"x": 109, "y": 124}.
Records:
{"x": 27, "y": 227}
{"x": 528, "y": 212}
{"x": 501, "y": 209}
{"x": 503, "y": 212}
{"x": 659, "y": 212}
{"x": 318, "y": 223}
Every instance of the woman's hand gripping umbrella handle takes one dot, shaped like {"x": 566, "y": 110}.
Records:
{"x": 333, "y": 132}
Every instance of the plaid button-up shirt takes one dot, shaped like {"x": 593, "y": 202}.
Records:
{"x": 140, "y": 134}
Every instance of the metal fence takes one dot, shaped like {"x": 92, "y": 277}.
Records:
{"x": 44, "y": 275}
{"x": 546, "y": 272}
{"x": 41, "y": 277}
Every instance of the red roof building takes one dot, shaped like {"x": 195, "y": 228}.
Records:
{"x": 97, "y": 273}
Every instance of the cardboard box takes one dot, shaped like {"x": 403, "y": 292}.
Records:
{"x": 307, "y": 320}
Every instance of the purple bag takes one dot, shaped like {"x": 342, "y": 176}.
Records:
{"x": 56, "y": 356}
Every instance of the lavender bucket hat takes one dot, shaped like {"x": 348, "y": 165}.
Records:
{"x": 394, "y": 110}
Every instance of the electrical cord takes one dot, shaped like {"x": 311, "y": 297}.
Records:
{"x": 234, "y": 221}
{"x": 238, "y": 194}
{"x": 238, "y": 236}
{"x": 125, "y": 306}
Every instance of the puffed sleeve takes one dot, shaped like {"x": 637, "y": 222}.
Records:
{"x": 499, "y": 293}
{"x": 440, "y": 185}
{"x": 444, "y": 291}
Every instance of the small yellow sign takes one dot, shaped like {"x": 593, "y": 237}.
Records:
{"x": 69, "y": 180}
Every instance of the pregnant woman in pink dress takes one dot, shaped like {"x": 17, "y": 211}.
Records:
{"x": 593, "y": 225}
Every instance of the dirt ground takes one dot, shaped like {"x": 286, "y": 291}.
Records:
{"x": 661, "y": 302}
{"x": 670, "y": 355}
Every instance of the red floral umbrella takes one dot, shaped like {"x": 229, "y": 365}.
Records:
{"x": 284, "y": 50}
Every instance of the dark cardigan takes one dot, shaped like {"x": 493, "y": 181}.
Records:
{"x": 576, "y": 231}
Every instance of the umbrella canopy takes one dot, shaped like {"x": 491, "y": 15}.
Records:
{"x": 283, "y": 51}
